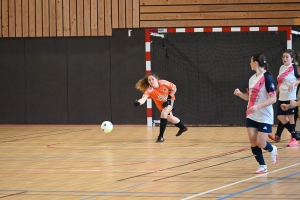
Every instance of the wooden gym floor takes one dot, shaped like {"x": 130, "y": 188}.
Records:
{"x": 41, "y": 162}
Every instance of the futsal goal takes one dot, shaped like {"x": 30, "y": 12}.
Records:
{"x": 207, "y": 64}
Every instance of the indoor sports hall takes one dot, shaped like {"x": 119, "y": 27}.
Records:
{"x": 68, "y": 66}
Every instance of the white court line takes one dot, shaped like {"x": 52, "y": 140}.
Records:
{"x": 92, "y": 170}
{"x": 225, "y": 186}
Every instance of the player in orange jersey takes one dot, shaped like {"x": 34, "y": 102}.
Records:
{"x": 162, "y": 93}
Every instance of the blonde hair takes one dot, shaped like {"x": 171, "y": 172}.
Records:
{"x": 143, "y": 84}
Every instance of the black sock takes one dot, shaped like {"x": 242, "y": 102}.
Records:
{"x": 268, "y": 147}
{"x": 291, "y": 129}
{"x": 294, "y": 135}
{"x": 287, "y": 126}
{"x": 162, "y": 127}
{"x": 280, "y": 129}
{"x": 257, "y": 152}
{"x": 180, "y": 125}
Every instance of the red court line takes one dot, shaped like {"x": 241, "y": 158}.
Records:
{"x": 189, "y": 163}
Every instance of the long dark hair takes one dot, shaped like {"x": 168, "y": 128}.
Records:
{"x": 294, "y": 54}
{"x": 261, "y": 60}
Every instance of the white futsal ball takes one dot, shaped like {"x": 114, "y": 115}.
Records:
{"x": 107, "y": 126}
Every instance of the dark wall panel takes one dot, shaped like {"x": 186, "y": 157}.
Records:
{"x": 12, "y": 81}
{"x": 296, "y": 39}
{"x": 127, "y": 67}
{"x": 46, "y": 81}
{"x": 88, "y": 80}
{"x": 76, "y": 80}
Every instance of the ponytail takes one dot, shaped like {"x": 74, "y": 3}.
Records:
{"x": 261, "y": 60}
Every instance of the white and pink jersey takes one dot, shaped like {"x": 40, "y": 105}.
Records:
{"x": 285, "y": 77}
{"x": 260, "y": 89}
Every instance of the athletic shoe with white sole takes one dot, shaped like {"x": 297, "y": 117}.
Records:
{"x": 293, "y": 143}
{"x": 274, "y": 155}
{"x": 261, "y": 169}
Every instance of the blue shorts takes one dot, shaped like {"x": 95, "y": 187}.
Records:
{"x": 261, "y": 127}
{"x": 282, "y": 112}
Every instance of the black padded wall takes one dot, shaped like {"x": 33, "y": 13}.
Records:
{"x": 12, "y": 81}
{"x": 127, "y": 67}
{"x": 46, "y": 81}
{"x": 296, "y": 39}
{"x": 75, "y": 80}
{"x": 205, "y": 83}
{"x": 89, "y": 95}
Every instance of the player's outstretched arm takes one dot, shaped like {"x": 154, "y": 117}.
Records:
{"x": 140, "y": 101}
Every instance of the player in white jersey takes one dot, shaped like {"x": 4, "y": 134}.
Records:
{"x": 280, "y": 127}
{"x": 288, "y": 80}
{"x": 259, "y": 115}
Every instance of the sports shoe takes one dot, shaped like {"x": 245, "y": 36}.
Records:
{"x": 261, "y": 169}
{"x": 160, "y": 139}
{"x": 181, "y": 131}
{"x": 293, "y": 142}
{"x": 274, "y": 137}
{"x": 274, "y": 155}
{"x": 298, "y": 135}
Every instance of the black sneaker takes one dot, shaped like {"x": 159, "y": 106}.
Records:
{"x": 181, "y": 131}
{"x": 295, "y": 135}
{"x": 160, "y": 139}
{"x": 298, "y": 137}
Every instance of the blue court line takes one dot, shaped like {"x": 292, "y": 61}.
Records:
{"x": 258, "y": 186}
{"x": 238, "y": 182}
{"x": 101, "y": 194}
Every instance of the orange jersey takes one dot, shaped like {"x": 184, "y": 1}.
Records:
{"x": 159, "y": 95}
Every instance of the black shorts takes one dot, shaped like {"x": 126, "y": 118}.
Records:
{"x": 282, "y": 112}
{"x": 261, "y": 127}
{"x": 172, "y": 104}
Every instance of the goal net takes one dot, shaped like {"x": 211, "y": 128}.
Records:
{"x": 207, "y": 65}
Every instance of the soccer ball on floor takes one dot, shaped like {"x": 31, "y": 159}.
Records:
{"x": 107, "y": 126}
